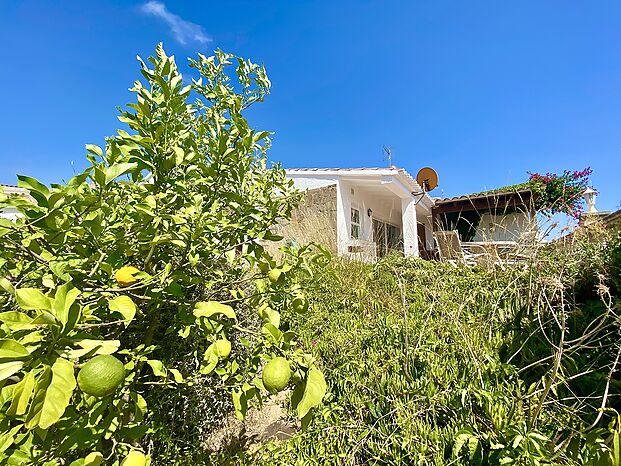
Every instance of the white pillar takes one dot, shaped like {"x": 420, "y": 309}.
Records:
{"x": 343, "y": 206}
{"x": 410, "y": 233}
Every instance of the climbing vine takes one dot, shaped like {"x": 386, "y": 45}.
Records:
{"x": 559, "y": 193}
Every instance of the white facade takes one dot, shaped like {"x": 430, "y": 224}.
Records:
{"x": 504, "y": 227}
{"x": 377, "y": 209}
{"x": 7, "y": 190}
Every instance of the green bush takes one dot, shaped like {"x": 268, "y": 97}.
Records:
{"x": 154, "y": 254}
{"x": 433, "y": 364}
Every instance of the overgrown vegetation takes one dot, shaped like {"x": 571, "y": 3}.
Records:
{"x": 432, "y": 364}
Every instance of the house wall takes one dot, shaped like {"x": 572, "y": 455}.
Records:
{"x": 509, "y": 227}
{"x": 9, "y": 213}
{"x": 389, "y": 199}
{"x": 314, "y": 220}
{"x": 387, "y": 208}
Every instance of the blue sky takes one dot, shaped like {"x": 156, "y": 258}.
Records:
{"x": 481, "y": 91}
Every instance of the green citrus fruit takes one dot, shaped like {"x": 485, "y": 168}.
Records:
{"x": 276, "y": 374}
{"x": 134, "y": 458}
{"x": 101, "y": 375}
{"x": 276, "y": 276}
{"x": 300, "y": 304}
{"x": 223, "y": 348}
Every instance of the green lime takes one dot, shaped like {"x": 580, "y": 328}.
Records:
{"x": 276, "y": 276}
{"x": 300, "y": 304}
{"x": 276, "y": 375}
{"x": 101, "y": 375}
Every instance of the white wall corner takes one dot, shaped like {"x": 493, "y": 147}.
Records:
{"x": 343, "y": 205}
{"x": 410, "y": 232}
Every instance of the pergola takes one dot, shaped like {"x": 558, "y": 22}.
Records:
{"x": 463, "y": 213}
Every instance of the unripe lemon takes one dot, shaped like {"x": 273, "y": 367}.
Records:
{"x": 223, "y": 348}
{"x": 125, "y": 275}
{"x": 276, "y": 276}
{"x": 101, "y": 375}
{"x": 300, "y": 304}
{"x": 134, "y": 458}
{"x": 276, "y": 375}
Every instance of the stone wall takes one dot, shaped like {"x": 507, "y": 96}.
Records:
{"x": 314, "y": 220}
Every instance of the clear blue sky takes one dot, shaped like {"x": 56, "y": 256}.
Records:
{"x": 481, "y": 91}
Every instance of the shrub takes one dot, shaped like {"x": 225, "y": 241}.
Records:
{"x": 154, "y": 254}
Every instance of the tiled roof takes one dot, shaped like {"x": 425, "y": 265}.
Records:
{"x": 491, "y": 194}
{"x": 613, "y": 218}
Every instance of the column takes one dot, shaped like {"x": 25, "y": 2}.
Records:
{"x": 342, "y": 217}
{"x": 410, "y": 232}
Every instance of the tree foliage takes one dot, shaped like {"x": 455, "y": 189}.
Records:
{"x": 154, "y": 254}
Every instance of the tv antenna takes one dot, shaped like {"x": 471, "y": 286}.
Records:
{"x": 388, "y": 151}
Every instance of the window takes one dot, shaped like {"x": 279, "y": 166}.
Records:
{"x": 355, "y": 224}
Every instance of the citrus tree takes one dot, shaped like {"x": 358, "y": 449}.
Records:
{"x": 161, "y": 238}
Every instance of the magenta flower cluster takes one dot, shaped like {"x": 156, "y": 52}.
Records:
{"x": 562, "y": 193}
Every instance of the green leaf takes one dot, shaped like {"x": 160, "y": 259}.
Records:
{"x": 272, "y": 333}
{"x": 240, "y": 403}
{"x": 93, "y": 149}
{"x": 313, "y": 393}
{"x": 8, "y": 438}
{"x": 57, "y": 386}
{"x": 177, "y": 375}
{"x": 12, "y": 350}
{"x": 460, "y": 441}
{"x": 63, "y": 300}
{"x": 22, "y": 394}
{"x": 92, "y": 347}
{"x": 7, "y": 369}
{"x": 124, "y": 306}
{"x": 118, "y": 169}
{"x": 210, "y": 360}
{"x": 270, "y": 315}
{"x": 58, "y": 268}
{"x": 16, "y": 320}
{"x": 210, "y": 308}
{"x": 7, "y": 286}
{"x": 44, "y": 318}
{"x": 37, "y": 190}
{"x": 92, "y": 459}
{"x": 158, "y": 367}
{"x": 31, "y": 298}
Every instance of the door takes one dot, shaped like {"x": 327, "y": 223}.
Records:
{"x": 379, "y": 237}
{"x": 387, "y": 237}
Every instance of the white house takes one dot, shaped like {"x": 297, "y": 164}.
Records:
{"x": 9, "y": 190}
{"x": 377, "y": 209}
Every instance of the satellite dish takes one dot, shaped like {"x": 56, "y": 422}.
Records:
{"x": 427, "y": 178}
